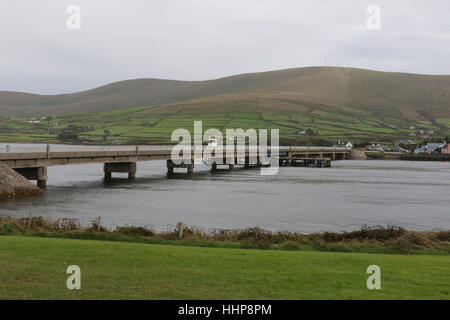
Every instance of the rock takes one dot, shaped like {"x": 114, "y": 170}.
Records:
{"x": 358, "y": 154}
{"x": 14, "y": 185}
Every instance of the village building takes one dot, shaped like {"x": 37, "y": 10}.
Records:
{"x": 376, "y": 147}
{"x": 343, "y": 144}
{"x": 430, "y": 148}
{"x": 446, "y": 149}
{"x": 34, "y": 121}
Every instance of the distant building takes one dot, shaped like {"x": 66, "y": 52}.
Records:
{"x": 115, "y": 142}
{"x": 420, "y": 150}
{"x": 430, "y": 148}
{"x": 405, "y": 141}
{"x": 33, "y": 120}
{"x": 376, "y": 147}
{"x": 341, "y": 144}
{"x": 398, "y": 148}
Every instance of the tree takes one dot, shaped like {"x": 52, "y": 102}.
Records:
{"x": 106, "y": 134}
{"x": 68, "y": 136}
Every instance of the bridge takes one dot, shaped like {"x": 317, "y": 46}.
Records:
{"x": 32, "y": 163}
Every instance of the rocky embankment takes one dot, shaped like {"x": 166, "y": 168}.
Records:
{"x": 358, "y": 154}
{"x": 14, "y": 185}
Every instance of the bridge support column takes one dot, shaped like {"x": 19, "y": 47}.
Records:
{"x": 247, "y": 162}
{"x": 252, "y": 165}
{"x": 126, "y": 167}
{"x": 291, "y": 159}
{"x": 39, "y": 174}
{"x": 171, "y": 165}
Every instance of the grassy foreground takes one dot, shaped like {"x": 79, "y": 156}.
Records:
{"x": 34, "y": 268}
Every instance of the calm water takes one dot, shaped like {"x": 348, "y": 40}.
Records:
{"x": 415, "y": 195}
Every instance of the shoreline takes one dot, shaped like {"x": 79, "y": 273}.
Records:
{"x": 375, "y": 239}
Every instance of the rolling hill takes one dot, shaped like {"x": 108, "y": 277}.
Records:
{"x": 334, "y": 102}
{"x": 411, "y": 96}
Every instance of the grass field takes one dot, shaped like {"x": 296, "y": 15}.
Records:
{"x": 151, "y": 125}
{"x": 34, "y": 268}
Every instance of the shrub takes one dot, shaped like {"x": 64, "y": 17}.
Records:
{"x": 135, "y": 231}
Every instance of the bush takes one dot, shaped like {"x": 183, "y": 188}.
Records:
{"x": 389, "y": 239}
{"x": 135, "y": 231}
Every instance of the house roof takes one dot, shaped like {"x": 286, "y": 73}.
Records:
{"x": 434, "y": 146}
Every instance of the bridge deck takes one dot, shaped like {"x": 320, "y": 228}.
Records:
{"x": 30, "y": 157}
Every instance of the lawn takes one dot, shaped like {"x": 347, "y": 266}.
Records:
{"x": 34, "y": 268}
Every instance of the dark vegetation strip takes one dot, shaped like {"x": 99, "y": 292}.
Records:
{"x": 425, "y": 157}
{"x": 390, "y": 239}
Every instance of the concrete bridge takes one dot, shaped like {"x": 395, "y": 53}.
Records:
{"x": 33, "y": 164}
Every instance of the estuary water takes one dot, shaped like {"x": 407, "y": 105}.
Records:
{"x": 414, "y": 195}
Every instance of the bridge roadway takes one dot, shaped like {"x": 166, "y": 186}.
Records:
{"x": 32, "y": 163}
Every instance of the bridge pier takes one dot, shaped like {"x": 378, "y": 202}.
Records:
{"x": 258, "y": 163}
{"x": 224, "y": 163}
{"x": 171, "y": 166}
{"x": 39, "y": 174}
{"x": 127, "y": 167}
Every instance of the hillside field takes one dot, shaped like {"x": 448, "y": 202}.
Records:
{"x": 149, "y": 125}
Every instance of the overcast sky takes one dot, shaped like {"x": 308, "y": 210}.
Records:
{"x": 206, "y": 39}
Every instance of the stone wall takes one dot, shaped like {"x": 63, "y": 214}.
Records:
{"x": 13, "y": 185}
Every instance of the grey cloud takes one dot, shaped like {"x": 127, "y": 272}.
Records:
{"x": 204, "y": 39}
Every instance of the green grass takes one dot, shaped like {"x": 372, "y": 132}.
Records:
{"x": 34, "y": 268}
{"x": 144, "y": 126}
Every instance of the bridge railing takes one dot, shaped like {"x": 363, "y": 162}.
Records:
{"x": 37, "y": 148}
{"x": 42, "y": 148}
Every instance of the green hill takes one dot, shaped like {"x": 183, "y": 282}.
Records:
{"x": 334, "y": 102}
{"x": 410, "y": 96}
